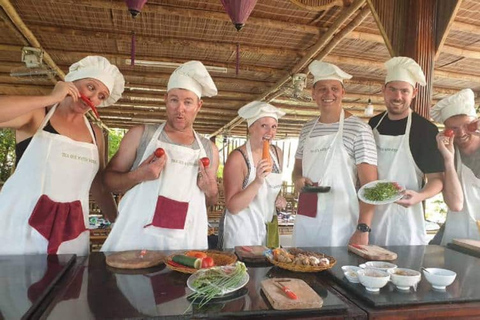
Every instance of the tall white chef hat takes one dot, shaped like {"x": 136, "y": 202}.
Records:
{"x": 101, "y": 69}
{"x": 327, "y": 71}
{"x": 404, "y": 69}
{"x": 259, "y": 109}
{"x": 462, "y": 102}
{"x": 193, "y": 76}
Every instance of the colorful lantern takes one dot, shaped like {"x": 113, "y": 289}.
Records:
{"x": 134, "y": 7}
{"x": 238, "y": 11}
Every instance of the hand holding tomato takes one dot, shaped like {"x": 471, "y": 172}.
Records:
{"x": 159, "y": 152}
{"x": 205, "y": 161}
{"x": 448, "y": 133}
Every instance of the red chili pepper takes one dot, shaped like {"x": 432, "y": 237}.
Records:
{"x": 287, "y": 291}
{"x": 357, "y": 246}
{"x": 174, "y": 264}
{"x": 248, "y": 249}
{"x": 90, "y": 104}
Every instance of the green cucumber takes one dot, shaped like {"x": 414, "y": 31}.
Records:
{"x": 188, "y": 261}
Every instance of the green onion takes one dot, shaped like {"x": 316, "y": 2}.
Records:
{"x": 213, "y": 282}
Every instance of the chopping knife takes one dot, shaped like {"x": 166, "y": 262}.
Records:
{"x": 287, "y": 291}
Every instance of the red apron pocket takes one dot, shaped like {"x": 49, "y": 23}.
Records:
{"x": 57, "y": 221}
{"x": 170, "y": 214}
{"x": 307, "y": 204}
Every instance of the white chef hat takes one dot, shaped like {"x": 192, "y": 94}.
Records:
{"x": 101, "y": 69}
{"x": 259, "y": 109}
{"x": 193, "y": 76}
{"x": 462, "y": 102}
{"x": 404, "y": 69}
{"x": 327, "y": 71}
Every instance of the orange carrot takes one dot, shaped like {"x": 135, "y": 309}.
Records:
{"x": 266, "y": 151}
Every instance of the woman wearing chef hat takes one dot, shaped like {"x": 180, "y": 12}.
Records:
{"x": 164, "y": 204}
{"x": 251, "y": 183}
{"x": 460, "y": 148}
{"x": 44, "y": 204}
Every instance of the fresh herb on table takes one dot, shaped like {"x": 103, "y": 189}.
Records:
{"x": 382, "y": 191}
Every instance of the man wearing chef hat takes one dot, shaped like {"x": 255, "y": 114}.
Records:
{"x": 407, "y": 154}
{"x": 164, "y": 207}
{"x": 460, "y": 148}
{"x": 252, "y": 183}
{"x": 335, "y": 150}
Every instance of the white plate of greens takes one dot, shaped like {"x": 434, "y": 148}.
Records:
{"x": 218, "y": 281}
{"x": 381, "y": 192}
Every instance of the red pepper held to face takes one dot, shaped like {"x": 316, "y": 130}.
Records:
{"x": 90, "y": 104}
{"x": 472, "y": 126}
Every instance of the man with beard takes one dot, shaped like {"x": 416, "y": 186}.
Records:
{"x": 168, "y": 185}
{"x": 407, "y": 154}
{"x": 460, "y": 148}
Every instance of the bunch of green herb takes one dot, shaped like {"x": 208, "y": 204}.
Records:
{"x": 213, "y": 282}
{"x": 381, "y": 192}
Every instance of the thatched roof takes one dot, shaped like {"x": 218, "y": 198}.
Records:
{"x": 279, "y": 40}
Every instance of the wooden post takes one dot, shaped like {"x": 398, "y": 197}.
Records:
{"x": 420, "y": 35}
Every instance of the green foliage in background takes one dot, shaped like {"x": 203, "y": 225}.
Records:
{"x": 114, "y": 138}
{"x": 7, "y": 153}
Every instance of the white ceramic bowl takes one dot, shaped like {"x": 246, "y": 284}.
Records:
{"x": 373, "y": 279}
{"x": 350, "y": 273}
{"x": 439, "y": 278}
{"x": 381, "y": 265}
{"x": 403, "y": 278}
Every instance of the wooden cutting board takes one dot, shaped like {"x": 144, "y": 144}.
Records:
{"x": 372, "y": 252}
{"x": 251, "y": 253}
{"x": 135, "y": 259}
{"x": 467, "y": 243}
{"x": 307, "y": 298}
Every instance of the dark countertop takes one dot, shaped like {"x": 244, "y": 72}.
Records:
{"x": 103, "y": 292}
{"x": 92, "y": 290}
{"x": 463, "y": 289}
{"x": 26, "y": 282}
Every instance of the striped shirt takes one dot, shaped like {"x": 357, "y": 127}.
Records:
{"x": 357, "y": 138}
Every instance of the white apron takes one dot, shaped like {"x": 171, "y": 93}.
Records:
{"x": 135, "y": 227}
{"x": 392, "y": 224}
{"x": 247, "y": 227}
{"x": 462, "y": 224}
{"x": 55, "y": 166}
{"x": 326, "y": 162}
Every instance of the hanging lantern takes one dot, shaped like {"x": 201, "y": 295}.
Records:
{"x": 134, "y": 7}
{"x": 238, "y": 11}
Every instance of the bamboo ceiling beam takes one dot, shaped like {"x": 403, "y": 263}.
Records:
{"x": 30, "y": 37}
{"x": 193, "y": 14}
{"x": 312, "y": 52}
{"x": 444, "y": 24}
{"x": 126, "y": 36}
{"x": 465, "y": 27}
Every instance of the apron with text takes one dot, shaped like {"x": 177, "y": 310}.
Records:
{"x": 168, "y": 213}
{"x": 462, "y": 224}
{"x": 392, "y": 224}
{"x": 247, "y": 227}
{"x": 325, "y": 161}
{"x": 44, "y": 204}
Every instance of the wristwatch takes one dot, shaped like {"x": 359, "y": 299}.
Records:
{"x": 363, "y": 227}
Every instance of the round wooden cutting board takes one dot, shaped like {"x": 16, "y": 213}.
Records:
{"x": 134, "y": 259}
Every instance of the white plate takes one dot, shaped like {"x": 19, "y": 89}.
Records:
{"x": 373, "y": 184}
{"x": 224, "y": 292}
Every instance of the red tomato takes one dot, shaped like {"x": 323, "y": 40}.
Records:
{"x": 207, "y": 262}
{"x": 472, "y": 126}
{"x": 205, "y": 162}
{"x": 159, "y": 152}
{"x": 448, "y": 133}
